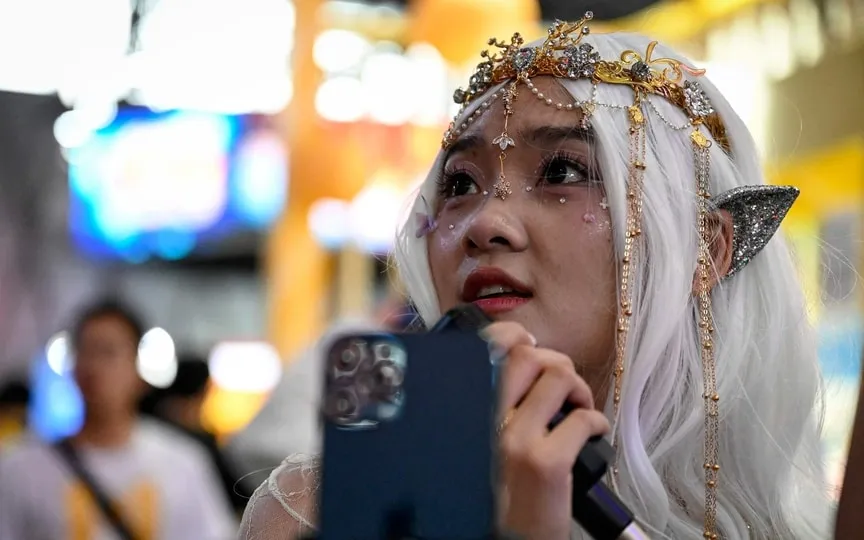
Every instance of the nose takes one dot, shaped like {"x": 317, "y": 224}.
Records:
{"x": 495, "y": 227}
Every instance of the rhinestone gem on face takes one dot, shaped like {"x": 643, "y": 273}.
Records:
{"x": 502, "y": 188}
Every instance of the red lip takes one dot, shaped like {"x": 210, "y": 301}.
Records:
{"x": 490, "y": 276}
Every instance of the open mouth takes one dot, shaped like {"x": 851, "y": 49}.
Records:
{"x": 500, "y": 291}
{"x": 493, "y": 289}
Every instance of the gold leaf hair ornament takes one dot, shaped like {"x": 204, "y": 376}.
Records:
{"x": 756, "y": 210}
{"x": 563, "y": 54}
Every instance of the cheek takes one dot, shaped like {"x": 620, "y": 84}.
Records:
{"x": 447, "y": 239}
{"x": 443, "y": 261}
{"x": 595, "y": 222}
{"x": 601, "y": 227}
{"x": 588, "y": 244}
{"x": 591, "y": 221}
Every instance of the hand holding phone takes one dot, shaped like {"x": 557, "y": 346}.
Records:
{"x": 537, "y": 461}
{"x": 371, "y": 491}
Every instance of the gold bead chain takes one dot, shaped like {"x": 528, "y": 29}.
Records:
{"x": 628, "y": 259}
{"x": 711, "y": 398}
{"x": 637, "y": 149}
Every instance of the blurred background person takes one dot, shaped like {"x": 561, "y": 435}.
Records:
{"x": 119, "y": 475}
{"x": 14, "y": 403}
{"x": 181, "y": 406}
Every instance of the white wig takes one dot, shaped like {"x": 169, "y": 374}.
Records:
{"x": 768, "y": 377}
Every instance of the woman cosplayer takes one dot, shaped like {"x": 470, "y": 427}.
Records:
{"x": 601, "y": 200}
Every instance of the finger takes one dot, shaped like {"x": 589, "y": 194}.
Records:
{"x": 505, "y": 335}
{"x": 546, "y": 397}
{"x": 552, "y": 456}
{"x": 523, "y": 367}
{"x": 575, "y": 430}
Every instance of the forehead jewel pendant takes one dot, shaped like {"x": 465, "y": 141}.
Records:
{"x": 504, "y": 141}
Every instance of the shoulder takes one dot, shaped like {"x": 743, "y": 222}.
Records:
{"x": 27, "y": 458}
{"x": 25, "y": 453}
{"x": 285, "y": 503}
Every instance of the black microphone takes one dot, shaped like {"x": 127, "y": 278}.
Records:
{"x": 599, "y": 511}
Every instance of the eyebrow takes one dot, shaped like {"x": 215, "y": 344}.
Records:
{"x": 543, "y": 135}
{"x": 466, "y": 142}
{"x": 551, "y": 135}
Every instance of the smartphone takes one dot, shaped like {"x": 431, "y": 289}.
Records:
{"x": 409, "y": 438}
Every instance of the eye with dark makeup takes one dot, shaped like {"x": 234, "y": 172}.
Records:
{"x": 456, "y": 182}
{"x": 563, "y": 168}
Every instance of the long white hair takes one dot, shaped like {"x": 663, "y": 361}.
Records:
{"x": 771, "y": 483}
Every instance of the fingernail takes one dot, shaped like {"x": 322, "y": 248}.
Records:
{"x": 484, "y": 333}
{"x": 497, "y": 355}
{"x": 533, "y": 339}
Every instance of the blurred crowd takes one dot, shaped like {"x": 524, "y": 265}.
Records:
{"x": 172, "y": 476}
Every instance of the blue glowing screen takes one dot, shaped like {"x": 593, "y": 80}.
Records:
{"x": 159, "y": 185}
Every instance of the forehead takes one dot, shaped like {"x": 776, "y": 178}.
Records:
{"x": 107, "y": 325}
{"x": 533, "y": 108}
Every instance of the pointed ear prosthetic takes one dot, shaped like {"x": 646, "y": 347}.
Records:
{"x": 757, "y": 212}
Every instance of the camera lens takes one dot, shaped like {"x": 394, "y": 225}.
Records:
{"x": 383, "y": 352}
{"x": 388, "y": 378}
{"x": 343, "y": 405}
{"x": 348, "y": 358}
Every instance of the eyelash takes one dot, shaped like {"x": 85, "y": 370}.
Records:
{"x": 446, "y": 184}
{"x": 570, "y": 159}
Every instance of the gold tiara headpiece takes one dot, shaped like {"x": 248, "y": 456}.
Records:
{"x": 564, "y": 55}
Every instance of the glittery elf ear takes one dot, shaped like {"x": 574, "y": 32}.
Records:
{"x": 757, "y": 212}
{"x": 424, "y": 221}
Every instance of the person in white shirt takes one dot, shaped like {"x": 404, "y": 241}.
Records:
{"x": 160, "y": 485}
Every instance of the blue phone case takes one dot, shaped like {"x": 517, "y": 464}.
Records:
{"x": 431, "y": 467}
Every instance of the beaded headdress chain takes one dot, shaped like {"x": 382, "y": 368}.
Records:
{"x": 756, "y": 210}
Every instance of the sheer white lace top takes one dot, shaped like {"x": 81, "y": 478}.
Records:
{"x": 284, "y": 506}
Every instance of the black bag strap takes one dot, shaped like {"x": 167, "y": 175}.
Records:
{"x": 70, "y": 456}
